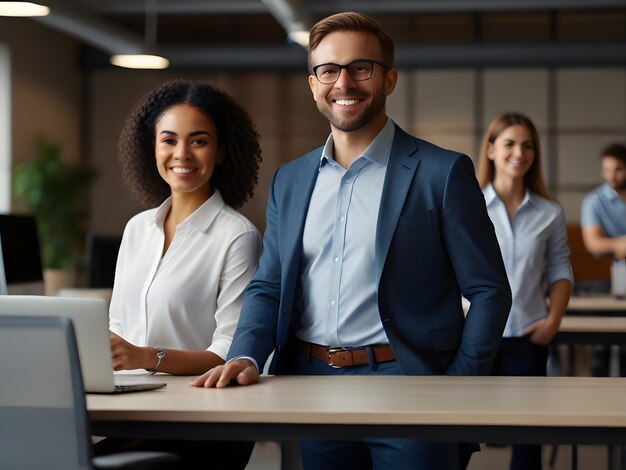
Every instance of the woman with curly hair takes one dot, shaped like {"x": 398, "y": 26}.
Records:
{"x": 190, "y": 150}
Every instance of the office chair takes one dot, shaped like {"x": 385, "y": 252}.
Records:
{"x": 42, "y": 402}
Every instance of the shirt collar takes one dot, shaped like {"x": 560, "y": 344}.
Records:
{"x": 531, "y": 198}
{"x": 610, "y": 193}
{"x": 377, "y": 151}
{"x": 201, "y": 219}
{"x": 491, "y": 196}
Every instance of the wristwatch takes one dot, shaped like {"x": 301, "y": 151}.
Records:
{"x": 160, "y": 354}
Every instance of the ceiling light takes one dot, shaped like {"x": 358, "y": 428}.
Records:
{"x": 144, "y": 61}
{"x": 140, "y": 61}
{"x": 23, "y": 9}
{"x": 299, "y": 37}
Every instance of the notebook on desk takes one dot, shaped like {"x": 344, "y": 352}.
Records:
{"x": 90, "y": 318}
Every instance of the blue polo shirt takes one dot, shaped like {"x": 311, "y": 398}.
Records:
{"x": 604, "y": 207}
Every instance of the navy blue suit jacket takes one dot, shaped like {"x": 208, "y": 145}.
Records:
{"x": 434, "y": 243}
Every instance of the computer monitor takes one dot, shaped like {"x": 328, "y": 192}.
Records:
{"x": 20, "y": 256}
{"x": 101, "y": 259}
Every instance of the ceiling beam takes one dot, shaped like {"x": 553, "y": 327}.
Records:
{"x": 447, "y": 6}
{"x": 323, "y": 8}
{"x": 512, "y": 55}
{"x": 89, "y": 29}
{"x": 292, "y": 57}
{"x": 94, "y": 31}
{"x": 290, "y": 14}
{"x": 181, "y": 7}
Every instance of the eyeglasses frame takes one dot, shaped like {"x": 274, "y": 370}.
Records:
{"x": 346, "y": 66}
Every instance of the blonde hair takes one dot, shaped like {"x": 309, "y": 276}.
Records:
{"x": 533, "y": 179}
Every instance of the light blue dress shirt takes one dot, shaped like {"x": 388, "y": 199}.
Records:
{"x": 604, "y": 207}
{"x": 535, "y": 252}
{"x": 339, "y": 305}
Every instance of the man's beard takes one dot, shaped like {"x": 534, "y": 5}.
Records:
{"x": 619, "y": 187}
{"x": 351, "y": 124}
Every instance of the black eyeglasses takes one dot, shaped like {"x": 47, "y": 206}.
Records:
{"x": 359, "y": 70}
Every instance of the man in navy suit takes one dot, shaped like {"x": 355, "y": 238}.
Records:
{"x": 370, "y": 242}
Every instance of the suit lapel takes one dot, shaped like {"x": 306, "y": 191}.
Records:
{"x": 401, "y": 168}
{"x": 301, "y": 191}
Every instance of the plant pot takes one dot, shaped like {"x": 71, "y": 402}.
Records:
{"x": 55, "y": 279}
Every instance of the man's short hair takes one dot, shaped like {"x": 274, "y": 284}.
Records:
{"x": 351, "y": 21}
{"x": 615, "y": 150}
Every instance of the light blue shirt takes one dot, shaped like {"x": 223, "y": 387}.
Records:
{"x": 604, "y": 207}
{"x": 339, "y": 305}
{"x": 535, "y": 253}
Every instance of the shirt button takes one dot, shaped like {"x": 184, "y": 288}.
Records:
{"x": 336, "y": 260}
{"x": 341, "y": 219}
{"x": 332, "y": 302}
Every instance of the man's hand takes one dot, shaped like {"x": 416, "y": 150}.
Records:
{"x": 243, "y": 371}
{"x": 620, "y": 248}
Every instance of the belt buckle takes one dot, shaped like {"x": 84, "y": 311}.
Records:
{"x": 331, "y": 351}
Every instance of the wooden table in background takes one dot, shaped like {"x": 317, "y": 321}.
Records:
{"x": 592, "y": 329}
{"x": 605, "y": 305}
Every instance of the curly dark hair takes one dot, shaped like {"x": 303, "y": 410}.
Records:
{"x": 236, "y": 177}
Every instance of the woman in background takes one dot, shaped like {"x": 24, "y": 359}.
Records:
{"x": 190, "y": 150}
{"x": 531, "y": 230}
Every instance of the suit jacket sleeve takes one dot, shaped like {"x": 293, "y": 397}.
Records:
{"x": 256, "y": 331}
{"x": 477, "y": 261}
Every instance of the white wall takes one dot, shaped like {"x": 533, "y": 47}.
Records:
{"x": 45, "y": 89}
{"x": 5, "y": 131}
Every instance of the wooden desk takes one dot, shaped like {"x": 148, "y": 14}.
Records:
{"x": 596, "y": 305}
{"x": 534, "y": 410}
{"x": 592, "y": 330}
{"x": 593, "y": 320}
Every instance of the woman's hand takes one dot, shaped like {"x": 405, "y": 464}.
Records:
{"x": 542, "y": 331}
{"x": 127, "y": 356}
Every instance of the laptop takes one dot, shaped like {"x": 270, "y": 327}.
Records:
{"x": 90, "y": 318}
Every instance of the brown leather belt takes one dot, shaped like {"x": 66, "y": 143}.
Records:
{"x": 346, "y": 357}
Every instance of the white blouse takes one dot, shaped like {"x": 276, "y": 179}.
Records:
{"x": 190, "y": 298}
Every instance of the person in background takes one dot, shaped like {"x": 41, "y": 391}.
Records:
{"x": 370, "y": 242}
{"x": 603, "y": 224}
{"x": 532, "y": 233}
{"x": 191, "y": 152}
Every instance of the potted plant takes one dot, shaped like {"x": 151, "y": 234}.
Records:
{"x": 56, "y": 193}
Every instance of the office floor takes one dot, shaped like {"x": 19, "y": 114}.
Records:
{"x": 266, "y": 456}
{"x": 496, "y": 458}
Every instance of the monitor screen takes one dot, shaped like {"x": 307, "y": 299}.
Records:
{"x": 20, "y": 256}
{"x": 102, "y": 253}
